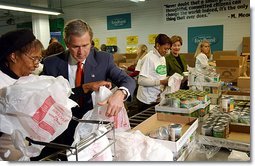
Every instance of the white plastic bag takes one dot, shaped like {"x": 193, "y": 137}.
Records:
{"x": 135, "y": 146}
{"x": 238, "y": 156}
{"x": 85, "y": 130}
{"x": 37, "y": 106}
{"x": 121, "y": 121}
{"x": 174, "y": 82}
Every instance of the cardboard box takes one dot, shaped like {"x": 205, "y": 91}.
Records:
{"x": 190, "y": 59}
{"x": 239, "y": 138}
{"x": 189, "y": 126}
{"x": 119, "y": 58}
{"x": 184, "y": 111}
{"x": 248, "y": 69}
{"x": 219, "y": 54}
{"x": 246, "y": 45}
{"x": 230, "y": 67}
{"x": 131, "y": 61}
{"x": 237, "y": 95}
{"x": 125, "y": 64}
{"x": 124, "y": 58}
{"x": 243, "y": 83}
{"x": 229, "y": 74}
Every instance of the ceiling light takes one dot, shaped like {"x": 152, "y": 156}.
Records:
{"x": 30, "y": 9}
{"x": 137, "y": 1}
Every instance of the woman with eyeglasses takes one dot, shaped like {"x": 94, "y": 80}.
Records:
{"x": 20, "y": 55}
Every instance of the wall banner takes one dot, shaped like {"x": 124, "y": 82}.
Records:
{"x": 214, "y": 34}
{"x": 189, "y": 10}
{"x": 120, "y": 21}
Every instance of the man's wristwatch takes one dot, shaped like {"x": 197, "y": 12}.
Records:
{"x": 124, "y": 92}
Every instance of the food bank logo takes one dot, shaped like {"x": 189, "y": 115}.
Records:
{"x": 212, "y": 39}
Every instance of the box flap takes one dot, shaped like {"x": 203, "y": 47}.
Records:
{"x": 175, "y": 118}
{"x": 225, "y": 53}
{"x": 241, "y": 128}
{"x": 227, "y": 63}
{"x": 236, "y": 93}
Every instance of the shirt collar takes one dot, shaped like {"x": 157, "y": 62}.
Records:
{"x": 155, "y": 51}
{"x": 72, "y": 61}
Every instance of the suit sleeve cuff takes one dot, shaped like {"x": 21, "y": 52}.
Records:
{"x": 124, "y": 88}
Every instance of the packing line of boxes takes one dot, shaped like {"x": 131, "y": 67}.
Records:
{"x": 199, "y": 111}
{"x": 213, "y": 90}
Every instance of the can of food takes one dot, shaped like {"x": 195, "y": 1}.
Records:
{"x": 234, "y": 115}
{"x": 225, "y": 104}
{"x": 201, "y": 97}
{"x": 211, "y": 123}
{"x": 244, "y": 118}
{"x": 175, "y": 131}
{"x": 184, "y": 102}
{"x": 231, "y": 103}
{"x": 207, "y": 89}
{"x": 176, "y": 102}
{"x": 160, "y": 133}
{"x": 206, "y": 130}
{"x": 218, "y": 131}
{"x": 215, "y": 90}
{"x": 226, "y": 126}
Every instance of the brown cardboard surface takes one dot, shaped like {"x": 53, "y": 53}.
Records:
{"x": 239, "y": 132}
{"x": 190, "y": 59}
{"x": 240, "y": 137}
{"x": 153, "y": 123}
{"x": 229, "y": 74}
{"x": 243, "y": 83}
{"x": 225, "y": 53}
{"x": 125, "y": 64}
{"x": 246, "y": 44}
{"x": 175, "y": 118}
{"x": 131, "y": 56}
{"x": 248, "y": 69}
{"x": 130, "y": 60}
{"x": 188, "y": 55}
{"x": 239, "y": 127}
{"x": 240, "y": 58}
{"x": 216, "y": 56}
{"x": 227, "y": 63}
{"x": 119, "y": 58}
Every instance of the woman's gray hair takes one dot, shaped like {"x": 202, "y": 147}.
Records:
{"x": 76, "y": 27}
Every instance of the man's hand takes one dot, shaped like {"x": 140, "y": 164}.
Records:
{"x": 115, "y": 103}
{"x": 94, "y": 86}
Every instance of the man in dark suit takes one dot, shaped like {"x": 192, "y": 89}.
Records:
{"x": 98, "y": 67}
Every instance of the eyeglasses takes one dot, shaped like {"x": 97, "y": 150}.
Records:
{"x": 35, "y": 59}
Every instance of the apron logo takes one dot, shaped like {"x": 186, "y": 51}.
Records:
{"x": 161, "y": 69}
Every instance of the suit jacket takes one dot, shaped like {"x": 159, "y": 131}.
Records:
{"x": 98, "y": 66}
{"x": 173, "y": 66}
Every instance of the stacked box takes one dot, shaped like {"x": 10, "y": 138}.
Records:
{"x": 213, "y": 90}
{"x": 198, "y": 111}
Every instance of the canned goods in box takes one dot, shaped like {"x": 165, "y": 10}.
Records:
{"x": 215, "y": 90}
{"x": 225, "y": 104}
{"x": 201, "y": 98}
{"x": 176, "y": 102}
{"x": 207, "y": 130}
{"x": 175, "y": 131}
{"x": 184, "y": 103}
{"x": 218, "y": 132}
{"x": 207, "y": 89}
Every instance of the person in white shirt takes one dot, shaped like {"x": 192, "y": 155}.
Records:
{"x": 153, "y": 75}
{"x": 202, "y": 55}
